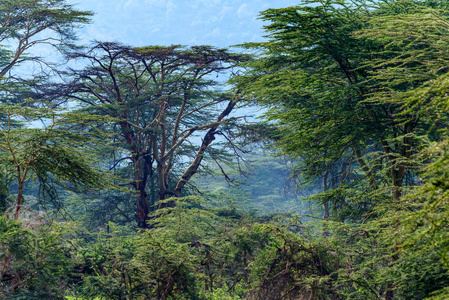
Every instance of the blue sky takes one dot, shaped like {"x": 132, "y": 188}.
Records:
{"x": 219, "y": 23}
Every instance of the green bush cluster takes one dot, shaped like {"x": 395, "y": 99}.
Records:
{"x": 198, "y": 252}
{"x": 191, "y": 253}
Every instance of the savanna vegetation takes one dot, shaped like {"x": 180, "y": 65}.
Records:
{"x": 133, "y": 173}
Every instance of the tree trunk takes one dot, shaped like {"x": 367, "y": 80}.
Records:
{"x": 164, "y": 192}
{"x": 397, "y": 167}
{"x": 397, "y": 177}
{"x": 389, "y": 294}
{"x": 142, "y": 209}
{"x": 19, "y": 201}
{"x": 142, "y": 168}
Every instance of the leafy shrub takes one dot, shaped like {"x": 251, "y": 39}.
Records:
{"x": 35, "y": 259}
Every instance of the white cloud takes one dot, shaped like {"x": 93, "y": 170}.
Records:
{"x": 170, "y": 8}
{"x": 197, "y": 22}
{"x": 243, "y": 11}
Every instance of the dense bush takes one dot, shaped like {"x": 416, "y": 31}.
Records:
{"x": 36, "y": 260}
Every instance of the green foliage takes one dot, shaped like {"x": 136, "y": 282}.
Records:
{"x": 50, "y": 155}
{"x": 21, "y": 22}
{"x": 35, "y": 258}
{"x": 302, "y": 70}
{"x": 194, "y": 253}
{"x": 357, "y": 92}
{"x": 96, "y": 210}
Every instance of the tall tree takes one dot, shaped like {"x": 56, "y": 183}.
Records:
{"x": 369, "y": 82}
{"x": 163, "y": 97}
{"x": 25, "y": 25}
{"x": 316, "y": 77}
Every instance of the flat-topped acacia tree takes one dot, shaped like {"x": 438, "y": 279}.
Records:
{"x": 168, "y": 106}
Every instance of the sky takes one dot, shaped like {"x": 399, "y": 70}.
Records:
{"x": 219, "y": 23}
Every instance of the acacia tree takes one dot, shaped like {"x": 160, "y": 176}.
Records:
{"x": 371, "y": 83}
{"x": 50, "y": 155}
{"x": 27, "y": 23}
{"x": 24, "y": 25}
{"x": 308, "y": 76}
{"x": 319, "y": 76}
{"x": 163, "y": 97}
